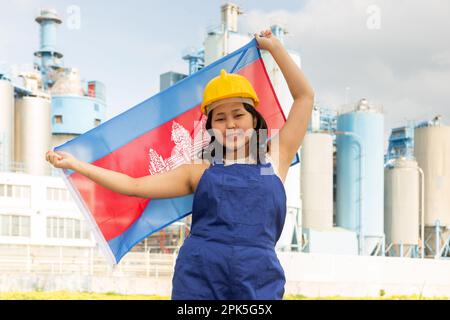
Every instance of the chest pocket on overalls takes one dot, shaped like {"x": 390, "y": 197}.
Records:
{"x": 242, "y": 200}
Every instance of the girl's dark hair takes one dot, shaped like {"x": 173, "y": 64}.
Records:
{"x": 261, "y": 146}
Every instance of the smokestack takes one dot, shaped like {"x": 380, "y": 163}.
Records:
{"x": 230, "y": 12}
{"x": 47, "y": 55}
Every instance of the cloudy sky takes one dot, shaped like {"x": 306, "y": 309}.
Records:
{"x": 394, "y": 53}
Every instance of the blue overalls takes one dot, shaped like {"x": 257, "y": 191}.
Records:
{"x": 238, "y": 215}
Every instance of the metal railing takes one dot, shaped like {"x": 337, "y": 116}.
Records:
{"x": 20, "y": 167}
{"x": 12, "y": 167}
{"x": 139, "y": 264}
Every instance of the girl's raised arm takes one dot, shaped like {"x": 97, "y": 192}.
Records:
{"x": 173, "y": 183}
{"x": 292, "y": 133}
{"x": 176, "y": 182}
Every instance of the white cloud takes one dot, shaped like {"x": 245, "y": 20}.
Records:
{"x": 441, "y": 59}
{"x": 405, "y": 65}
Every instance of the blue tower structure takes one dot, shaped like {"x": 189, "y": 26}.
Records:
{"x": 360, "y": 176}
{"x": 328, "y": 119}
{"x": 76, "y": 108}
{"x": 323, "y": 119}
{"x": 196, "y": 60}
{"x": 401, "y": 143}
{"x": 47, "y": 56}
{"x": 401, "y": 140}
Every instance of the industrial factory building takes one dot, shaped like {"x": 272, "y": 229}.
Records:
{"x": 40, "y": 109}
{"x": 359, "y": 214}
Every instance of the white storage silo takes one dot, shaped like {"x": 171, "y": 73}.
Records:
{"x": 432, "y": 151}
{"x": 32, "y": 133}
{"x": 6, "y": 124}
{"x": 402, "y": 206}
{"x": 317, "y": 181}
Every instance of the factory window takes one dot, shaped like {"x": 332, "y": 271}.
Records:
{"x": 58, "y": 119}
{"x": 15, "y": 191}
{"x": 23, "y": 191}
{"x": 86, "y": 231}
{"x": 6, "y": 190}
{"x": 58, "y": 194}
{"x": 70, "y": 230}
{"x": 97, "y": 122}
{"x": 49, "y": 227}
{"x": 77, "y": 229}
{"x": 14, "y": 226}
{"x": 60, "y": 228}
{"x": 66, "y": 228}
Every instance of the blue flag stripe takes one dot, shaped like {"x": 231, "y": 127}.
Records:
{"x": 158, "y": 214}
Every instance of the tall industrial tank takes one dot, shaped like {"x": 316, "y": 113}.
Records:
{"x": 67, "y": 120}
{"x": 32, "y": 133}
{"x": 359, "y": 176}
{"x": 67, "y": 101}
{"x": 6, "y": 124}
{"x": 317, "y": 181}
{"x": 402, "y": 202}
{"x": 76, "y": 107}
{"x": 432, "y": 151}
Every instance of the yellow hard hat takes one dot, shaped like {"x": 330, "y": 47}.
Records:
{"x": 228, "y": 85}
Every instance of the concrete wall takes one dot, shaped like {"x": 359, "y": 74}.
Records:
{"x": 311, "y": 275}
{"x": 358, "y": 276}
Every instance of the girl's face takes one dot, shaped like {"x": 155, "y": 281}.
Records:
{"x": 230, "y": 121}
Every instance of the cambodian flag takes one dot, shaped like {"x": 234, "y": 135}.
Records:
{"x": 155, "y": 136}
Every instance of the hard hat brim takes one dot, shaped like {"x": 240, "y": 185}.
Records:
{"x": 217, "y": 103}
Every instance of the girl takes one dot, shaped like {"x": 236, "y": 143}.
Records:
{"x": 238, "y": 213}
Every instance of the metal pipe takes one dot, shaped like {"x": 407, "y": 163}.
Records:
{"x": 225, "y": 40}
{"x": 437, "y": 230}
{"x": 422, "y": 210}
{"x": 388, "y": 163}
{"x": 361, "y": 177}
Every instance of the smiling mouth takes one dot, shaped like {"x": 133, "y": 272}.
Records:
{"x": 235, "y": 134}
{"x": 233, "y": 137}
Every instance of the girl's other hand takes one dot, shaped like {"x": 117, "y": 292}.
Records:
{"x": 61, "y": 159}
{"x": 266, "y": 40}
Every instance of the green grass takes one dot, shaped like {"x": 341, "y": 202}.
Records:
{"x": 399, "y": 297}
{"x": 66, "y": 295}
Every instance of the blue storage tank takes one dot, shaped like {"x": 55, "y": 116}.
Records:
{"x": 76, "y": 114}
{"x": 359, "y": 175}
